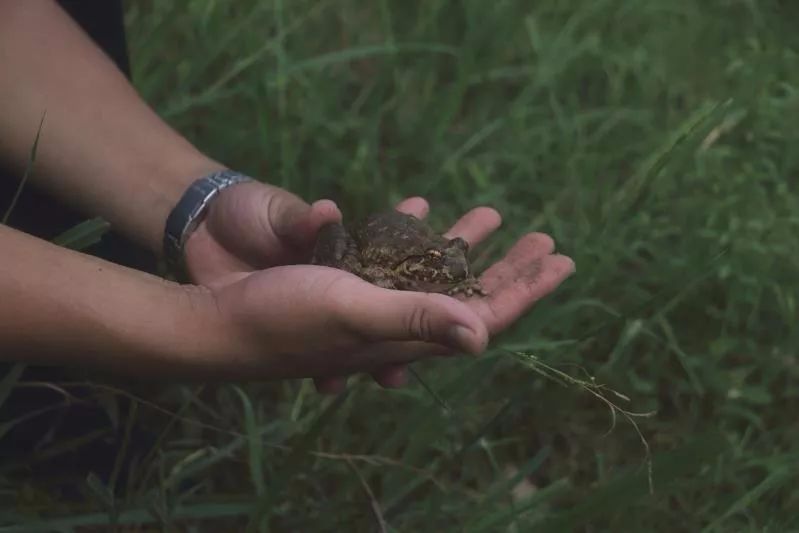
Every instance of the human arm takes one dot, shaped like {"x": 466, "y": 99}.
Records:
{"x": 58, "y": 306}
{"x": 102, "y": 148}
{"x": 105, "y": 151}
{"x": 63, "y": 307}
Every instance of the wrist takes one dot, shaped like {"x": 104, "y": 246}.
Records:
{"x": 190, "y": 211}
{"x": 63, "y": 307}
{"x": 214, "y": 342}
{"x": 167, "y": 184}
{"x": 197, "y": 337}
{"x": 166, "y": 331}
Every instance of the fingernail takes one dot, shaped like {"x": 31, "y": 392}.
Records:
{"x": 462, "y": 338}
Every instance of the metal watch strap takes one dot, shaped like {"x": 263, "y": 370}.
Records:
{"x": 188, "y": 213}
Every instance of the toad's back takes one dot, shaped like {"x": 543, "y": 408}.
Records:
{"x": 390, "y": 237}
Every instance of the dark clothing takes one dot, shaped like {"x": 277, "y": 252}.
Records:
{"x": 103, "y": 20}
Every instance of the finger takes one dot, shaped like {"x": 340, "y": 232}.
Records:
{"x": 519, "y": 260}
{"x": 516, "y": 283}
{"x": 330, "y": 386}
{"x": 391, "y": 376}
{"x": 294, "y": 221}
{"x": 378, "y": 315}
{"x": 207, "y": 260}
{"x": 476, "y": 225}
{"x": 540, "y": 279}
{"x": 323, "y": 212}
{"x": 416, "y": 206}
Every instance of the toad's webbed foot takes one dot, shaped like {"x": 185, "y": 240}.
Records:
{"x": 468, "y": 287}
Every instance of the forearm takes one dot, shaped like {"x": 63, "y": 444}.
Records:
{"x": 60, "y": 306}
{"x": 102, "y": 148}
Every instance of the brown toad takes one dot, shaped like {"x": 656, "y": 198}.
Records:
{"x": 398, "y": 251}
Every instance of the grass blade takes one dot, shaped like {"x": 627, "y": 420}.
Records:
{"x": 83, "y": 235}
{"x": 28, "y": 168}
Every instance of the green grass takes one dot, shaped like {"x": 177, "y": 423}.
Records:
{"x": 656, "y": 141}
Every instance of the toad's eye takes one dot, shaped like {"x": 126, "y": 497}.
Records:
{"x": 433, "y": 253}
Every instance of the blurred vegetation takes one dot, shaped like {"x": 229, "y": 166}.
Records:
{"x": 656, "y": 141}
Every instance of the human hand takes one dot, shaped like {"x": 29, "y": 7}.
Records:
{"x": 250, "y": 235}
{"x": 529, "y": 271}
{"x": 253, "y": 226}
{"x": 314, "y": 321}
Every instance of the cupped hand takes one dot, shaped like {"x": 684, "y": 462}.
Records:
{"x": 253, "y": 226}
{"x": 528, "y": 272}
{"x": 331, "y": 323}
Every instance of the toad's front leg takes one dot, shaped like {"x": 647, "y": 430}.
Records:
{"x": 336, "y": 248}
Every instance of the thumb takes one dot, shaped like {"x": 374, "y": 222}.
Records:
{"x": 388, "y": 315}
{"x": 296, "y": 223}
